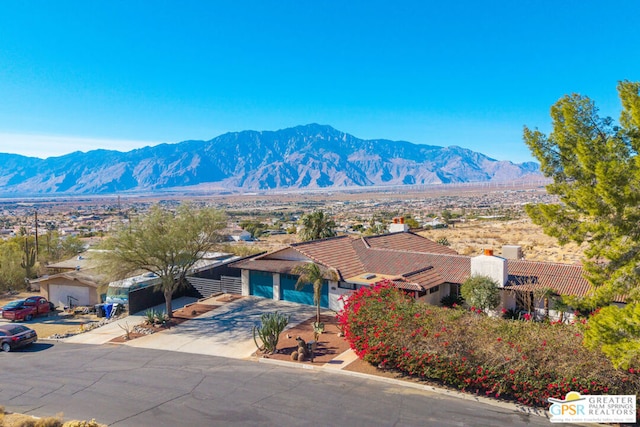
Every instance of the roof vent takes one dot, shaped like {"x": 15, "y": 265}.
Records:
{"x": 368, "y": 276}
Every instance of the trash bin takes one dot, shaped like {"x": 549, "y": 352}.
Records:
{"x": 99, "y": 310}
{"x": 107, "y": 310}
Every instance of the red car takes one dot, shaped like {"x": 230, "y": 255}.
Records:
{"x": 27, "y": 309}
{"x": 14, "y": 336}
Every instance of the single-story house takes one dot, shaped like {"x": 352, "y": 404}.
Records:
{"x": 73, "y": 282}
{"x": 423, "y": 268}
{"x": 239, "y": 235}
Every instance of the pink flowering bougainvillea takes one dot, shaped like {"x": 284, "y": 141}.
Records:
{"x": 525, "y": 361}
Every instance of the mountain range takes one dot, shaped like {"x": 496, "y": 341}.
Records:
{"x": 302, "y": 157}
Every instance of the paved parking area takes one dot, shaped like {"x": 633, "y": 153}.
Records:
{"x": 226, "y": 331}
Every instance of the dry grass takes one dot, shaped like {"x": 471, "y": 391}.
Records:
{"x": 472, "y": 237}
{"x": 22, "y": 420}
{"x": 6, "y": 298}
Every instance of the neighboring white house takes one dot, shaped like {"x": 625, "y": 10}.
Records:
{"x": 239, "y": 235}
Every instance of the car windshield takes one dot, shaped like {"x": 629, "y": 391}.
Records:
{"x": 15, "y": 304}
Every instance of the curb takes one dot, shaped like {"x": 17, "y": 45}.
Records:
{"x": 451, "y": 393}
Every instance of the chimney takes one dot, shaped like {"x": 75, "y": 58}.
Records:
{"x": 490, "y": 266}
{"x": 398, "y": 225}
{"x": 512, "y": 252}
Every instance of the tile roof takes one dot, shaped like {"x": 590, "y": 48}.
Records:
{"x": 565, "y": 279}
{"x": 407, "y": 241}
{"x": 336, "y": 252}
{"x": 418, "y": 263}
{"x": 272, "y": 265}
{"x": 401, "y": 284}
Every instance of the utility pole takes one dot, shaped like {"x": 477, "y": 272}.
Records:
{"x": 36, "y": 218}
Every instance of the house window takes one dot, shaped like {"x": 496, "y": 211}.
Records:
{"x": 346, "y": 285}
{"x": 454, "y": 289}
{"x": 434, "y": 289}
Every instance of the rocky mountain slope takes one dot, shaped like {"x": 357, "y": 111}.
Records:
{"x": 311, "y": 156}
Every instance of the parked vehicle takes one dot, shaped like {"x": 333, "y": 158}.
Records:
{"x": 14, "y": 336}
{"x": 27, "y": 309}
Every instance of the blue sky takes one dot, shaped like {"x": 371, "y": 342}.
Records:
{"x": 81, "y": 75}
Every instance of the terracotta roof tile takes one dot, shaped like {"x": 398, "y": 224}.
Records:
{"x": 401, "y": 284}
{"x": 273, "y": 265}
{"x": 336, "y": 252}
{"x": 407, "y": 241}
{"x": 408, "y": 256}
{"x": 565, "y": 279}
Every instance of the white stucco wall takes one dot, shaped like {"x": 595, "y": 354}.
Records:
{"x": 490, "y": 266}
{"x": 276, "y": 286}
{"x": 245, "y": 282}
{"x": 290, "y": 255}
{"x": 335, "y": 293}
{"x": 59, "y": 295}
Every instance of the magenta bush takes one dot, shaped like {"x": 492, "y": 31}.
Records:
{"x": 525, "y": 361}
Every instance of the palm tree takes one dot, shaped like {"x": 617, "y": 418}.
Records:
{"x": 312, "y": 273}
{"x": 316, "y": 225}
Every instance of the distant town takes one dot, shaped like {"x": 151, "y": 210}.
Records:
{"x": 278, "y": 212}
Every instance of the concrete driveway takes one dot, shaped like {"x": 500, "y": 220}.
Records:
{"x": 106, "y": 333}
{"x": 226, "y": 331}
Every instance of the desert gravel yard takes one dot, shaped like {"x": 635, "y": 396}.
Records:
{"x": 47, "y": 326}
{"x": 52, "y": 324}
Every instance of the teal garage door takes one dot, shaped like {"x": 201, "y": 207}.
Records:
{"x": 305, "y": 295}
{"x": 261, "y": 284}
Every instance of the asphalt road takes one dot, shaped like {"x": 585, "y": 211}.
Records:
{"x": 124, "y": 386}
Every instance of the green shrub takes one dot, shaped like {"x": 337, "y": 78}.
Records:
{"x": 150, "y": 316}
{"x": 451, "y": 301}
{"x": 511, "y": 314}
{"x": 481, "y": 292}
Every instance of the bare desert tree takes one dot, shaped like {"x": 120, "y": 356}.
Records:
{"x": 164, "y": 243}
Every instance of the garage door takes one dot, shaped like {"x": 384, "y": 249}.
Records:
{"x": 305, "y": 295}
{"x": 261, "y": 284}
{"x": 59, "y": 295}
